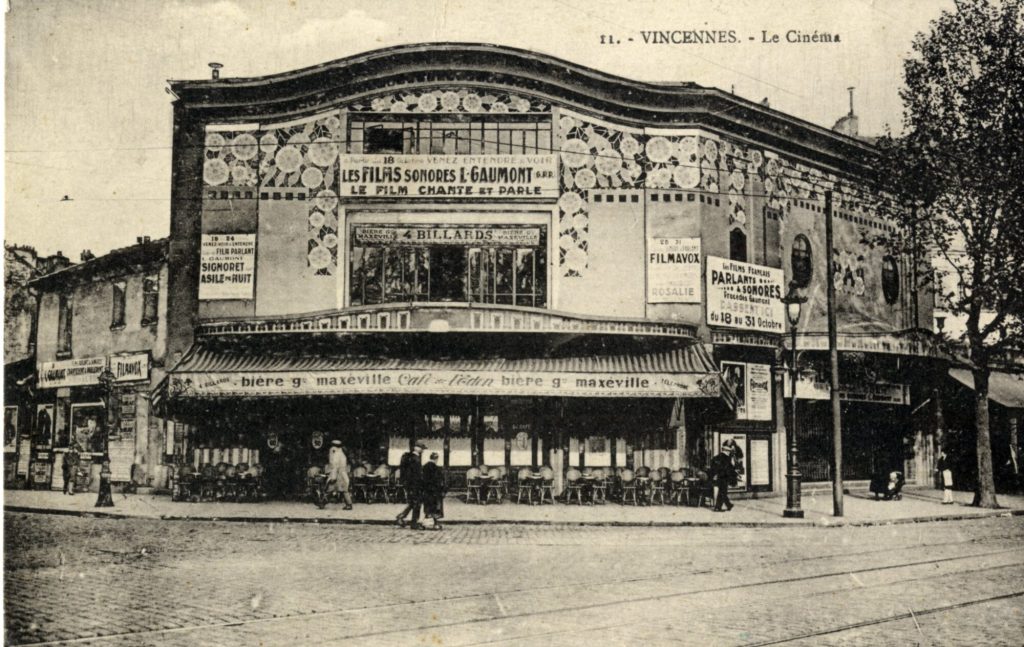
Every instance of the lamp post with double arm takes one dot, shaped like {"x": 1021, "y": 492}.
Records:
{"x": 794, "y": 304}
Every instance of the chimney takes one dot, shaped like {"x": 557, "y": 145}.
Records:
{"x": 215, "y": 70}
{"x": 848, "y": 125}
{"x": 86, "y": 255}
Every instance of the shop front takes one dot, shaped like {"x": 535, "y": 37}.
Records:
{"x": 279, "y": 403}
{"x": 94, "y": 404}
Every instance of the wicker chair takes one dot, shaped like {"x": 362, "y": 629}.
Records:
{"x": 547, "y": 484}
{"x": 628, "y": 481}
{"x": 495, "y": 486}
{"x": 524, "y": 485}
{"x": 473, "y": 486}
{"x": 657, "y": 490}
{"x": 573, "y": 486}
{"x": 382, "y": 484}
{"x": 599, "y": 487}
{"x": 360, "y": 488}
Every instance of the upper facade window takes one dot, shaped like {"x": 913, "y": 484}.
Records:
{"x": 737, "y": 245}
{"x": 119, "y": 289}
{"x": 890, "y": 280}
{"x": 450, "y": 135}
{"x": 64, "y": 313}
{"x": 150, "y": 299}
{"x": 800, "y": 259}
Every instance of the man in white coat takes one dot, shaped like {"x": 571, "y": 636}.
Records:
{"x": 337, "y": 473}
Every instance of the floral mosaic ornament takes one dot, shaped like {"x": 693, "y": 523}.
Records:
{"x": 451, "y": 100}
{"x": 848, "y": 273}
{"x": 305, "y": 156}
{"x": 230, "y": 159}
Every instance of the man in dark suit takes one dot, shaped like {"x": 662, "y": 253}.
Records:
{"x": 723, "y": 474}
{"x": 411, "y": 475}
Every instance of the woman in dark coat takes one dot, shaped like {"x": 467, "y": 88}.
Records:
{"x": 432, "y": 491}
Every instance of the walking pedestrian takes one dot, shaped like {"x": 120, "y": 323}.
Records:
{"x": 723, "y": 474}
{"x": 337, "y": 473}
{"x": 69, "y": 468}
{"x": 946, "y": 475}
{"x": 433, "y": 491}
{"x": 411, "y": 474}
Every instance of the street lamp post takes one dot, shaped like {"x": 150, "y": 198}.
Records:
{"x": 794, "y": 303}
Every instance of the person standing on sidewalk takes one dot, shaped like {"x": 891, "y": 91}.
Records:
{"x": 723, "y": 474}
{"x": 946, "y": 474}
{"x": 411, "y": 469}
{"x": 69, "y": 468}
{"x": 433, "y": 491}
{"x": 337, "y": 473}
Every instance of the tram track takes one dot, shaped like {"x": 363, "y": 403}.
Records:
{"x": 897, "y": 617}
{"x": 561, "y": 609}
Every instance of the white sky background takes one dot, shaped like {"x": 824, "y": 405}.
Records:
{"x": 87, "y": 114}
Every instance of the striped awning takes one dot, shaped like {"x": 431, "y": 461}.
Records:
{"x": 214, "y": 372}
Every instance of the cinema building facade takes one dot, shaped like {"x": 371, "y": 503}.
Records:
{"x": 518, "y": 260}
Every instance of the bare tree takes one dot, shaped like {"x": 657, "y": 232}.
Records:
{"x": 956, "y": 176}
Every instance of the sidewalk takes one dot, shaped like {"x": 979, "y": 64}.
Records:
{"x": 859, "y": 509}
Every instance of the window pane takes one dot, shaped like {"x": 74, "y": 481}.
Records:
{"x": 738, "y": 245}
{"x": 525, "y": 277}
{"x": 372, "y": 275}
{"x": 384, "y": 140}
{"x": 150, "y": 299}
{"x": 117, "y": 313}
{"x": 503, "y": 275}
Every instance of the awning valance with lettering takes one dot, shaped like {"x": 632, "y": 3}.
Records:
{"x": 1006, "y": 389}
{"x": 687, "y": 372}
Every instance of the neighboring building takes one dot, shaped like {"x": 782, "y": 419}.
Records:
{"x": 107, "y": 313}
{"x": 521, "y": 261}
{"x": 21, "y": 264}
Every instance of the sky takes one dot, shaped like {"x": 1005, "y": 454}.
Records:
{"x": 87, "y": 114}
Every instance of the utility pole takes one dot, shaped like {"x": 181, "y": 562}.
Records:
{"x": 833, "y": 357}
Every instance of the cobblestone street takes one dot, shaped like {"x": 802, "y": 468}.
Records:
{"x": 73, "y": 580}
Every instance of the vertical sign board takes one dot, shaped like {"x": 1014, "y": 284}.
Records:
{"x": 745, "y": 296}
{"x": 227, "y": 266}
{"x": 673, "y": 270}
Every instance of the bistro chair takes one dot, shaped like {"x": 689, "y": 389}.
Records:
{"x": 360, "y": 488}
{"x": 664, "y": 471}
{"x": 705, "y": 489}
{"x": 184, "y": 485}
{"x": 473, "y": 486}
{"x": 643, "y": 472}
{"x": 547, "y": 484}
{"x": 599, "y": 488}
{"x": 657, "y": 490}
{"x": 504, "y": 477}
{"x": 678, "y": 488}
{"x": 208, "y": 482}
{"x": 573, "y": 486}
{"x": 495, "y": 485}
{"x": 382, "y": 484}
{"x": 628, "y": 481}
{"x": 524, "y": 484}
{"x": 398, "y": 491}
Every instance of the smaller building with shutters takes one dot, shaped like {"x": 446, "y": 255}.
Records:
{"x": 100, "y": 345}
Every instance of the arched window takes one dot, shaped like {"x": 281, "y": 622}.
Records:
{"x": 738, "y": 245}
{"x": 800, "y": 259}
{"x": 890, "y": 280}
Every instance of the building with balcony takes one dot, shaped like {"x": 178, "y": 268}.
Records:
{"x": 518, "y": 260}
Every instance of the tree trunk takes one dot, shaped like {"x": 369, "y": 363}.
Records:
{"x": 985, "y": 496}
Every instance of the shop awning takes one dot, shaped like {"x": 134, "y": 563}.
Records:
{"x": 1006, "y": 389}
{"x": 687, "y": 372}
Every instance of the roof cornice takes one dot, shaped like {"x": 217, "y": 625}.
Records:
{"x": 680, "y": 105}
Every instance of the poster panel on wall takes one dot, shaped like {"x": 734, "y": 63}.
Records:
{"x": 760, "y": 472}
{"x": 10, "y": 429}
{"x": 743, "y": 295}
{"x": 673, "y": 270}
{"x": 735, "y": 373}
{"x": 759, "y": 392}
{"x": 227, "y": 264}
{"x": 739, "y": 459}
{"x": 43, "y": 428}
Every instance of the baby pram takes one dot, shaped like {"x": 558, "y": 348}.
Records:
{"x": 888, "y": 485}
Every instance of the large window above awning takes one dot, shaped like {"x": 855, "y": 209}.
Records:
{"x": 687, "y": 372}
